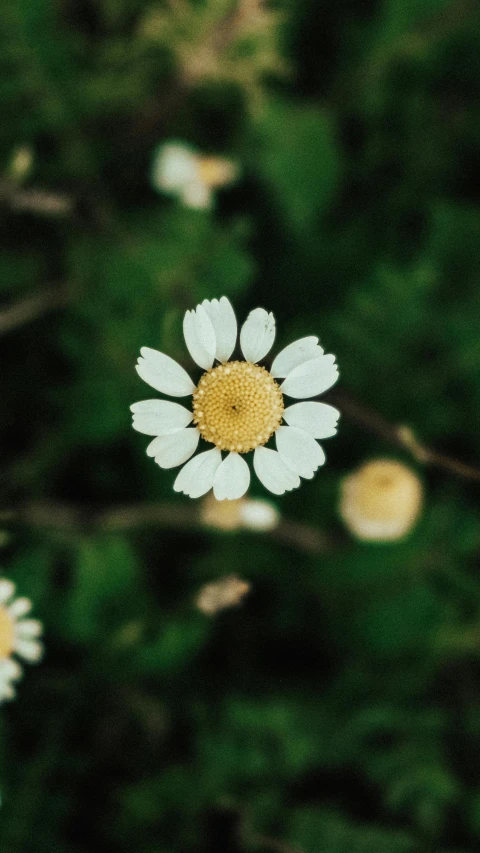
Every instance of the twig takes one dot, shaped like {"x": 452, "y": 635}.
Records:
{"x": 301, "y": 536}
{"x": 404, "y": 437}
{"x": 274, "y": 844}
{"x": 31, "y": 307}
{"x": 54, "y": 516}
{"x": 42, "y": 203}
{"x": 71, "y": 518}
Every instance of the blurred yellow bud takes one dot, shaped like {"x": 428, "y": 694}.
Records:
{"x": 242, "y": 513}
{"x": 219, "y": 595}
{"x": 381, "y": 500}
{"x": 21, "y": 163}
{"x": 217, "y": 172}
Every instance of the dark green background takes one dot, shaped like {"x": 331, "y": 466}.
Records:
{"x": 337, "y": 711}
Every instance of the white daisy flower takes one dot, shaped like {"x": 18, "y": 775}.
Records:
{"x": 18, "y": 636}
{"x": 237, "y": 405}
{"x": 180, "y": 170}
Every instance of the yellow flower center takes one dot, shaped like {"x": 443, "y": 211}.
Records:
{"x": 7, "y": 634}
{"x": 237, "y": 406}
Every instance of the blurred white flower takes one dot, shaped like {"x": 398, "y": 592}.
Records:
{"x": 237, "y": 405}
{"x": 18, "y": 637}
{"x": 178, "y": 169}
{"x": 381, "y": 501}
{"x": 219, "y": 595}
{"x": 259, "y": 515}
{"x": 238, "y": 514}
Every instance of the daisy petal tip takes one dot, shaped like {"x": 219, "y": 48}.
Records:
{"x": 273, "y": 473}
{"x": 175, "y": 449}
{"x": 222, "y": 317}
{"x": 311, "y": 378}
{"x": 196, "y": 477}
{"x": 257, "y": 334}
{"x": 200, "y": 338}
{"x": 232, "y": 478}
{"x": 296, "y": 353}
{"x": 299, "y": 451}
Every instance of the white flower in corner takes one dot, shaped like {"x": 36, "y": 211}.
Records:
{"x": 180, "y": 170}
{"x": 237, "y": 405}
{"x": 18, "y": 636}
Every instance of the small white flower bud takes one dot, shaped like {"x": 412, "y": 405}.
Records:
{"x": 222, "y": 594}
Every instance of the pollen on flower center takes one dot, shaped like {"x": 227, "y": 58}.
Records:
{"x": 237, "y": 406}
{"x": 7, "y": 637}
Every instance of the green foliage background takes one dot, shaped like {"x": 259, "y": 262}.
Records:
{"x": 337, "y": 711}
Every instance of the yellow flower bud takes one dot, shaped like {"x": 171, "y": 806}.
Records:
{"x": 381, "y": 500}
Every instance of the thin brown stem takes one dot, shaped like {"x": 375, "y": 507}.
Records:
{"x": 404, "y": 437}
{"x": 31, "y": 307}
{"x": 274, "y": 844}
{"x": 71, "y": 518}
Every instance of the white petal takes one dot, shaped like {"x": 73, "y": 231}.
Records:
{"x": 224, "y": 322}
{"x": 197, "y": 195}
{"x": 7, "y": 691}
{"x": 257, "y": 334}
{"x": 311, "y": 377}
{"x": 302, "y": 350}
{"x": 7, "y": 588}
{"x": 10, "y": 669}
{"x": 19, "y": 607}
{"x": 232, "y": 478}
{"x": 30, "y": 650}
{"x": 318, "y": 419}
{"x": 163, "y": 373}
{"x": 28, "y": 628}
{"x": 159, "y": 417}
{"x": 196, "y": 477}
{"x": 200, "y": 336}
{"x": 173, "y": 450}
{"x": 272, "y": 471}
{"x": 299, "y": 451}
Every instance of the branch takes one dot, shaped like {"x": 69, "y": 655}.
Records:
{"x": 274, "y": 844}
{"x": 71, "y": 518}
{"x": 31, "y": 307}
{"x": 404, "y": 437}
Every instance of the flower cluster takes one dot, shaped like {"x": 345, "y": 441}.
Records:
{"x": 237, "y": 406}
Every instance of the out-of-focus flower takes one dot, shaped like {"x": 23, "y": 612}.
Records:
{"x": 381, "y": 501}
{"x": 219, "y": 595}
{"x": 237, "y": 405}
{"x": 237, "y": 514}
{"x": 229, "y": 41}
{"x": 178, "y": 169}
{"x": 18, "y": 637}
